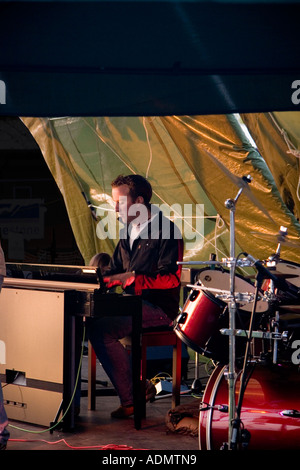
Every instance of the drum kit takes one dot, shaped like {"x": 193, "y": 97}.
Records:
{"x": 249, "y": 330}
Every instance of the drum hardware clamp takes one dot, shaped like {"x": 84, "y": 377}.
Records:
{"x": 256, "y": 334}
{"x": 291, "y": 413}
{"x": 239, "y": 297}
{"x": 206, "y": 406}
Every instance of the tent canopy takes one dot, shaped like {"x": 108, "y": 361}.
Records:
{"x": 190, "y": 161}
{"x": 141, "y": 76}
{"x": 148, "y": 57}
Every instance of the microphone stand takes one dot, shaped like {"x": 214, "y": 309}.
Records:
{"x": 237, "y": 420}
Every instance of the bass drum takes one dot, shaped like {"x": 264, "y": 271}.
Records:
{"x": 270, "y": 409}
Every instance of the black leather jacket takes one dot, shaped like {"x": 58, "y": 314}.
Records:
{"x": 153, "y": 258}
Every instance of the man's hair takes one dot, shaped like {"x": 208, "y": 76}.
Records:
{"x": 138, "y": 186}
{"x": 100, "y": 260}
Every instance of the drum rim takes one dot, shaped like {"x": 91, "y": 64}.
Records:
{"x": 285, "y": 261}
{"x": 240, "y": 278}
{"x": 191, "y": 344}
{"x": 211, "y": 297}
{"x": 219, "y": 372}
{"x": 225, "y": 271}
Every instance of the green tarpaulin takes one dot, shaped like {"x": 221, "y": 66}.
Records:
{"x": 189, "y": 160}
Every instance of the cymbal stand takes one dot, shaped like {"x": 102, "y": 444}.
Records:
{"x": 231, "y": 377}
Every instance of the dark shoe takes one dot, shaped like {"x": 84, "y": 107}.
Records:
{"x": 123, "y": 412}
{"x": 150, "y": 391}
{"x": 2, "y": 447}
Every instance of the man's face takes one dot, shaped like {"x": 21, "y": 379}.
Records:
{"x": 124, "y": 202}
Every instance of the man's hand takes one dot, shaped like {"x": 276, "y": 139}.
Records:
{"x": 121, "y": 279}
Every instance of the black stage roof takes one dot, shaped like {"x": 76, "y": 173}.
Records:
{"x": 142, "y": 57}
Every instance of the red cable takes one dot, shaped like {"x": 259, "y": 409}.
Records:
{"x": 100, "y": 447}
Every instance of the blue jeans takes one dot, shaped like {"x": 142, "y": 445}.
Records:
{"x": 104, "y": 335}
{"x": 4, "y": 434}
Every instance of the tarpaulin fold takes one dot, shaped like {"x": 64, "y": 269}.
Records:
{"x": 189, "y": 160}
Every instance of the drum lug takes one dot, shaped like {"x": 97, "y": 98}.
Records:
{"x": 222, "y": 408}
{"x": 285, "y": 336}
{"x": 193, "y": 295}
{"x": 291, "y": 413}
{"x": 229, "y": 375}
{"x": 181, "y": 318}
{"x": 274, "y": 323}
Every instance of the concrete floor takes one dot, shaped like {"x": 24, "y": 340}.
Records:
{"x": 97, "y": 430}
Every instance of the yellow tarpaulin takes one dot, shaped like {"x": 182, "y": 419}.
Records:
{"x": 190, "y": 161}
